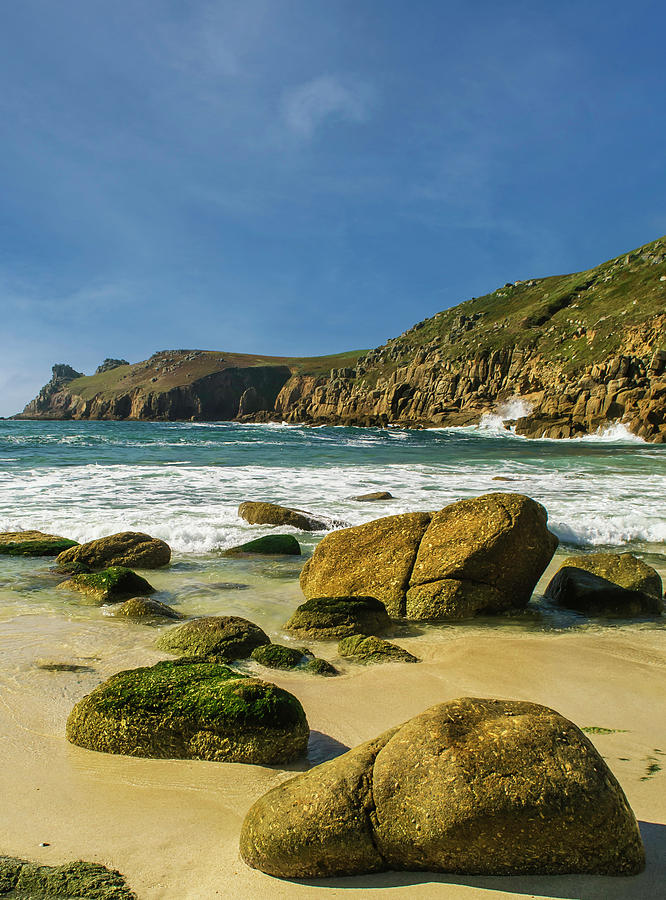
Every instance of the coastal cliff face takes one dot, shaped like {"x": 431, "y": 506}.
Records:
{"x": 561, "y": 356}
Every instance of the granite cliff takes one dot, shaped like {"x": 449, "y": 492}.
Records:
{"x": 579, "y": 351}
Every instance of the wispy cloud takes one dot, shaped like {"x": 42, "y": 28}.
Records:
{"x": 309, "y": 106}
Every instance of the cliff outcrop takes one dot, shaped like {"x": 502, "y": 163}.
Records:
{"x": 560, "y": 356}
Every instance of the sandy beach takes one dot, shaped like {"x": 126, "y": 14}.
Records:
{"x": 172, "y": 826}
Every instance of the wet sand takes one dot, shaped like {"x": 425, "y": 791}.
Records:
{"x": 172, "y": 826}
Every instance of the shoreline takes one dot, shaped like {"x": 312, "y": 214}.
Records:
{"x": 171, "y": 826}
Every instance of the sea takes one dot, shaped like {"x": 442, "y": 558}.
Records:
{"x": 183, "y": 482}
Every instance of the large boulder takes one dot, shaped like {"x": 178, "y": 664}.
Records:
{"x": 190, "y": 709}
{"x": 576, "y": 588}
{"x": 365, "y": 648}
{"x": 259, "y": 513}
{"x": 472, "y": 786}
{"x": 33, "y": 543}
{"x": 372, "y": 560}
{"x": 109, "y": 586}
{"x": 226, "y": 637}
{"x": 128, "y": 548}
{"x": 330, "y": 618}
{"x": 623, "y": 569}
{"x": 478, "y": 556}
{"x": 269, "y": 545}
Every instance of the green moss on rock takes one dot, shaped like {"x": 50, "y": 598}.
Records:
{"x": 328, "y": 618}
{"x": 72, "y": 881}
{"x": 226, "y": 637}
{"x": 277, "y": 656}
{"x": 33, "y": 543}
{"x": 269, "y": 545}
{"x": 319, "y": 666}
{"x": 146, "y": 609}
{"x": 110, "y": 586}
{"x": 369, "y": 649}
{"x": 190, "y": 709}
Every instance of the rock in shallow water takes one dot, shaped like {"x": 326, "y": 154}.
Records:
{"x": 478, "y": 556}
{"x": 190, "y": 709}
{"x": 369, "y": 649}
{"x": 473, "y": 786}
{"x": 33, "y": 543}
{"x": 329, "y": 618}
{"x": 127, "y": 548}
{"x": 277, "y": 656}
{"x": 109, "y": 586}
{"x": 269, "y": 545}
{"x": 145, "y": 608}
{"x": 619, "y": 572}
{"x": 226, "y": 637}
{"x": 259, "y": 513}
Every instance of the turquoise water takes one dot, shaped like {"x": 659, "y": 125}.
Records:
{"x": 183, "y": 482}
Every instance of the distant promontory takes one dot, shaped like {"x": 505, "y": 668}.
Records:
{"x": 580, "y": 351}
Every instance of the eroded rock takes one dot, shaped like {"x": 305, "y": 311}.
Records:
{"x": 473, "y": 786}
{"x": 575, "y": 588}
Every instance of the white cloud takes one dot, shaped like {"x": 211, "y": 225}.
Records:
{"x": 308, "y": 106}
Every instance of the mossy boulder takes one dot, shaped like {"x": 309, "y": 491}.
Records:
{"x": 370, "y": 560}
{"x": 622, "y": 569}
{"x": 277, "y": 656}
{"x": 191, "y": 709}
{"x": 330, "y": 618}
{"x": 146, "y": 609}
{"x": 318, "y": 666}
{"x": 72, "y": 881}
{"x": 370, "y": 649}
{"x": 576, "y": 588}
{"x": 471, "y": 787}
{"x": 109, "y": 586}
{"x": 133, "y": 549}
{"x": 226, "y": 637}
{"x": 33, "y": 543}
{"x": 259, "y": 513}
{"x": 269, "y": 545}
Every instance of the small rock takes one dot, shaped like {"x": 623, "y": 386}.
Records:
{"x": 226, "y": 637}
{"x": 145, "y": 608}
{"x": 33, "y": 543}
{"x": 329, "y": 618}
{"x": 277, "y": 656}
{"x": 319, "y": 666}
{"x": 375, "y": 495}
{"x": 269, "y": 545}
{"x": 127, "y": 548}
{"x": 109, "y": 586}
{"x": 369, "y": 649}
{"x": 259, "y": 513}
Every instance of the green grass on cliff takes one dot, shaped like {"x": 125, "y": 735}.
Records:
{"x": 177, "y": 368}
{"x": 573, "y": 320}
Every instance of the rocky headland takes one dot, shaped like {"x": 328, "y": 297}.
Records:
{"x": 578, "y": 351}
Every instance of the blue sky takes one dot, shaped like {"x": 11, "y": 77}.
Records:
{"x": 298, "y": 177}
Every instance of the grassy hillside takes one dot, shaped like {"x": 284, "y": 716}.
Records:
{"x": 573, "y": 319}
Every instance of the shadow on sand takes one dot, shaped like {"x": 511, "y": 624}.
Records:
{"x": 649, "y": 885}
